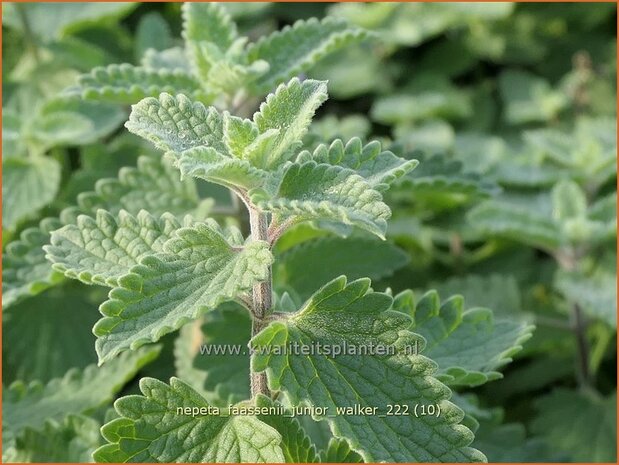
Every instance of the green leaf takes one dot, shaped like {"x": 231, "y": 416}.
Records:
{"x": 430, "y": 97}
{"x": 28, "y": 184}
{"x": 35, "y": 405}
{"x": 126, "y": 83}
{"x": 12, "y": 140}
{"x": 227, "y": 375}
{"x": 72, "y": 441}
{"x": 177, "y": 124}
{"x": 152, "y": 185}
{"x": 67, "y": 120}
{"x": 152, "y": 32}
{"x": 338, "y": 451}
{"x": 469, "y": 346}
{"x": 296, "y": 48}
{"x": 100, "y": 250}
{"x": 199, "y": 268}
{"x": 496, "y": 291}
{"x": 208, "y": 32}
{"x": 352, "y": 314}
{"x": 171, "y": 59}
{"x": 208, "y": 22}
{"x": 289, "y": 110}
{"x": 579, "y": 423}
{"x": 509, "y": 443}
{"x": 296, "y": 444}
{"x": 306, "y": 266}
{"x": 516, "y": 223}
{"x": 440, "y": 181}
{"x": 186, "y": 346}
{"x": 379, "y": 168}
{"x": 25, "y": 271}
{"x": 152, "y": 430}
{"x": 208, "y": 164}
{"x": 50, "y": 21}
{"x": 569, "y": 201}
{"x": 595, "y": 292}
{"x": 61, "y": 346}
{"x": 312, "y": 191}
{"x": 529, "y": 98}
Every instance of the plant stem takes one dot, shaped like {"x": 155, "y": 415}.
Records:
{"x": 261, "y": 297}
{"x": 584, "y": 372}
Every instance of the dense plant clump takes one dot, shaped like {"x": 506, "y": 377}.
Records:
{"x": 329, "y": 233}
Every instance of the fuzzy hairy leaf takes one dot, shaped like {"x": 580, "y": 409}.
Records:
{"x": 198, "y": 269}
{"x": 582, "y": 424}
{"x": 469, "y": 346}
{"x": 289, "y": 110}
{"x": 100, "y": 250}
{"x": 150, "y": 430}
{"x": 176, "y": 124}
{"x": 35, "y": 405}
{"x": 352, "y": 314}
{"x": 152, "y": 185}
{"x": 379, "y": 168}
{"x": 296, "y": 48}
{"x": 126, "y": 83}
{"x": 312, "y": 191}
{"x": 305, "y": 267}
{"x": 28, "y": 184}
{"x": 208, "y": 164}
{"x": 296, "y": 444}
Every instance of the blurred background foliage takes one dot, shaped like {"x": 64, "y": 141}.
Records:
{"x": 511, "y": 109}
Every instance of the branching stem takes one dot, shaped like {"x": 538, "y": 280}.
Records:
{"x": 261, "y": 296}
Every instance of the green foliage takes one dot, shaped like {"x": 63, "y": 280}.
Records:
{"x": 304, "y": 268}
{"x": 150, "y": 185}
{"x": 28, "y": 185}
{"x": 199, "y": 267}
{"x": 570, "y": 411}
{"x": 44, "y": 318}
{"x": 341, "y": 313}
{"x": 468, "y": 345}
{"x": 126, "y": 84}
{"x": 262, "y": 178}
{"x": 146, "y": 432}
{"x": 296, "y": 48}
{"x": 32, "y": 406}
